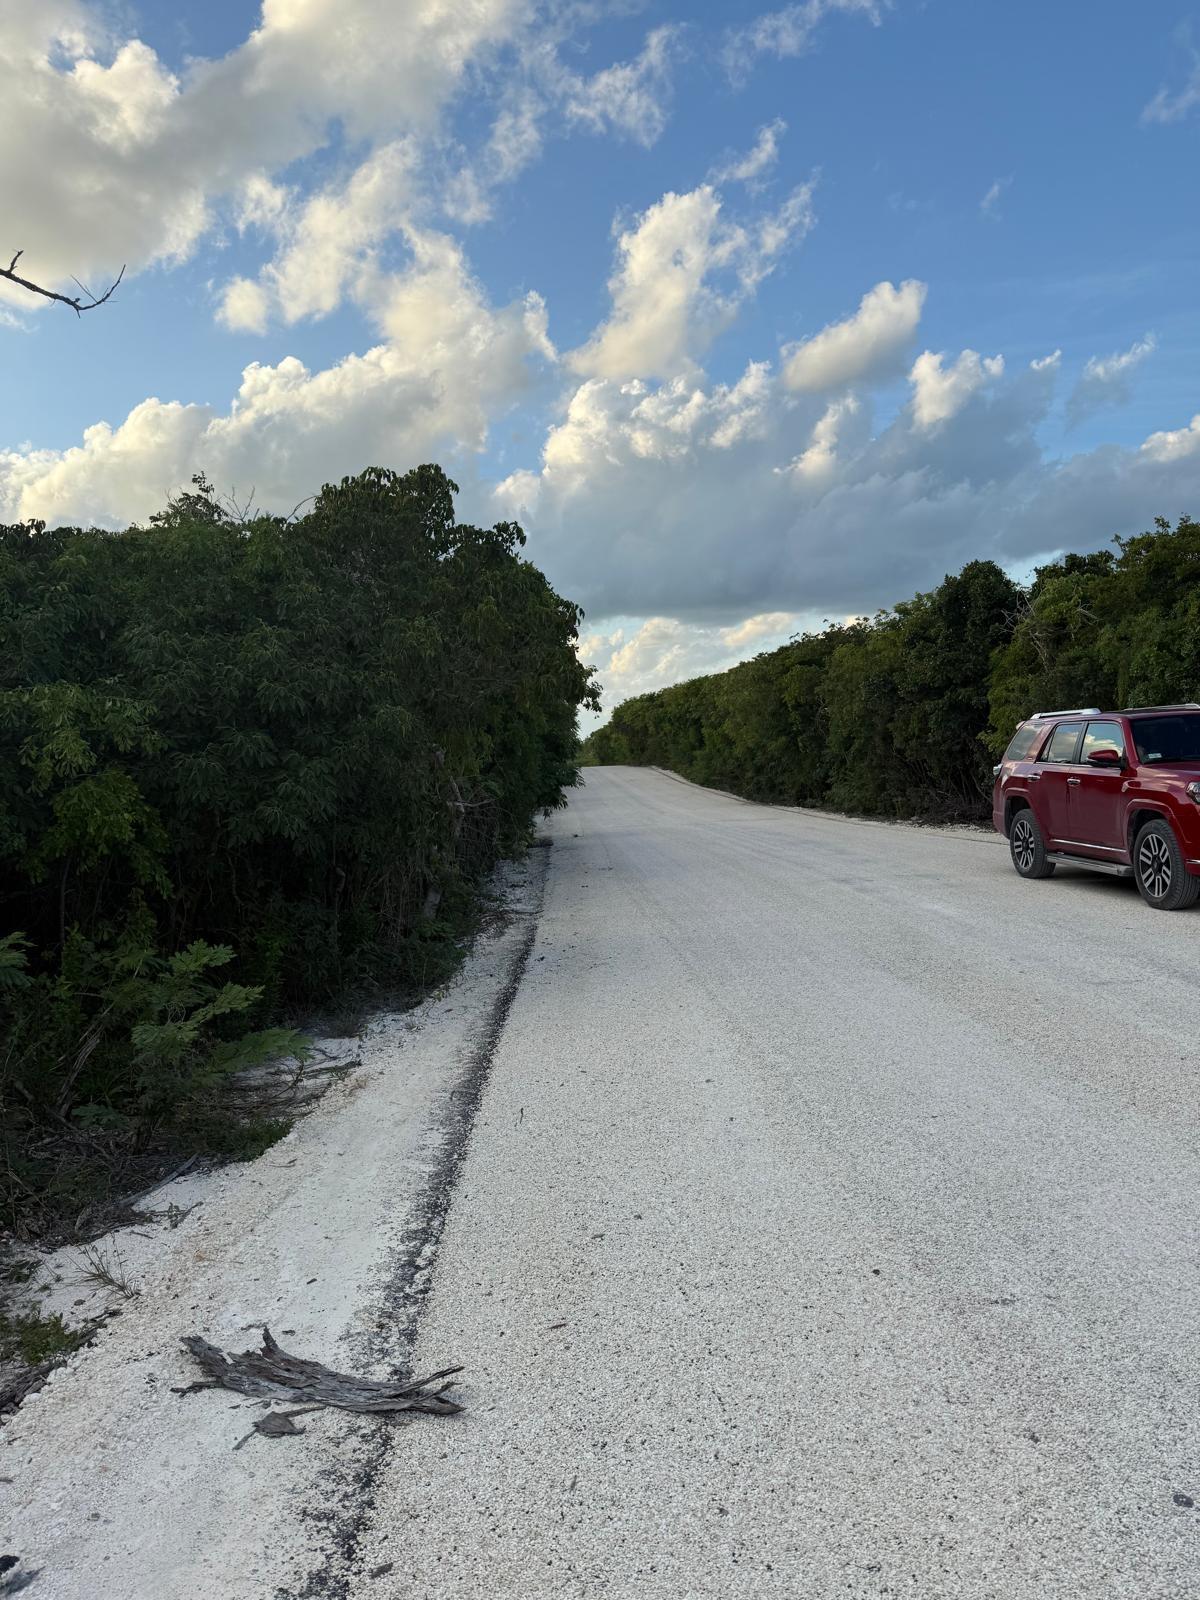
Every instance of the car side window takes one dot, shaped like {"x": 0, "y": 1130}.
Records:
{"x": 1022, "y": 742}
{"x": 1064, "y": 743}
{"x": 1103, "y": 736}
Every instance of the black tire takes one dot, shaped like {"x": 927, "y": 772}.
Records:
{"x": 1027, "y": 847}
{"x": 1163, "y": 879}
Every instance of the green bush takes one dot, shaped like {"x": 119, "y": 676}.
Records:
{"x": 246, "y": 766}
{"x": 903, "y": 714}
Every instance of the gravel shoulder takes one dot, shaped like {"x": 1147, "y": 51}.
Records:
{"x": 980, "y": 832}
{"x": 113, "y": 1485}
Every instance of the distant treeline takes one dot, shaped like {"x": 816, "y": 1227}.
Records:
{"x": 902, "y": 715}
{"x": 247, "y": 765}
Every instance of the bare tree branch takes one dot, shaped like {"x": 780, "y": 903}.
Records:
{"x": 77, "y": 305}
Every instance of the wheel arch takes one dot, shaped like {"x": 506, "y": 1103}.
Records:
{"x": 1017, "y": 802}
{"x": 1138, "y": 816}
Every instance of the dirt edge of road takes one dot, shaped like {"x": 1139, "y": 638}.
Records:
{"x": 404, "y": 1295}
{"x": 970, "y": 832}
{"x": 330, "y": 1238}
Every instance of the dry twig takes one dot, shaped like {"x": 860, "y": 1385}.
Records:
{"x": 107, "y": 1272}
{"x": 78, "y": 304}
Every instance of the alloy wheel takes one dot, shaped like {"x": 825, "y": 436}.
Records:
{"x": 1022, "y": 844}
{"x": 1154, "y": 866}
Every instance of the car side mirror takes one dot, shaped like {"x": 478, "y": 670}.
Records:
{"x": 1105, "y": 757}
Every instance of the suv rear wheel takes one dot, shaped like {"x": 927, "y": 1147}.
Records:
{"x": 1027, "y": 847}
{"x": 1158, "y": 865}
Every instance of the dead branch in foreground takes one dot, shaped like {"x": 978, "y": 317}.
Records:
{"x": 78, "y": 304}
{"x": 272, "y": 1374}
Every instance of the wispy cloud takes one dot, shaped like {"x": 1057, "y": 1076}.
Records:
{"x": 989, "y": 206}
{"x": 750, "y": 167}
{"x": 1172, "y": 105}
{"x": 789, "y": 32}
{"x": 1105, "y": 379}
{"x": 629, "y": 97}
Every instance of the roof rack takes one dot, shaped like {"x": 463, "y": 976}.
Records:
{"x": 1075, "y": 711}
{"x": 1184, "y": 705}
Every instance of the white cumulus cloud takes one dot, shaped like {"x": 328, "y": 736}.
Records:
{"x": 682, "y": 270}
{"x": 636, "y": 510}
{"x": 862, "y": 346}
{"x": 110, "y": 157}
{"x": 1174, "y": 445}
{"x": 821, "y": 456}
{"x": 325, "y": 241}
{"x": 940, "y": 392}
{"x": 245, "y": 306}
{"x": 449, "y": 364}
{"x": 767, "y": 625}
{"x": 642, "y": 654}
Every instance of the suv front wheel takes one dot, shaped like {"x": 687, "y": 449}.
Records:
{"x": 1027, "y": 847}
{"x": 1158, "y": 865}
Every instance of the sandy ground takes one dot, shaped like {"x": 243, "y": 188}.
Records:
{"x": 114, "y": 1488}
{"x": 826, "y": 1228}
{"x": 963, "y": 830}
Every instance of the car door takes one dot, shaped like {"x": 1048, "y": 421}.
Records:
{"x": 1054, "y": 766}
{"x": 1096, "y": 794}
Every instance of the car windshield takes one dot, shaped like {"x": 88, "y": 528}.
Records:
{"x": 1167, "y": 738}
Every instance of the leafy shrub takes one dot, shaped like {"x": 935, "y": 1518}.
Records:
{"x": 32, "y": 1338}
{"x": 246, "y": 765}
{"x": 902, "y": 714}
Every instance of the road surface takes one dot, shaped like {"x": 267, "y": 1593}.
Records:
{"x": 826, "y": 1228}
{"x": 829, "y": 1229}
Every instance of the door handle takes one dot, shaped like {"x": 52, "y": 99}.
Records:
{"x": 1035, "y": 777}
{"x": 1074, "y": 780}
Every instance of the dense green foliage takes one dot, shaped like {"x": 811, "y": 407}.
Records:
{"x": 245, "y": 766}
{"x": 902, "y": 715}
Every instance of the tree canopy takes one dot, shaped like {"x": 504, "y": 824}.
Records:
{"x": 280, "y": 748}
{"x": 902, "y": 715}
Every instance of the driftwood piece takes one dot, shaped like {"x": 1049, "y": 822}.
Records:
{"x": 278, "y": 1425}
{"x": 272, "y": 1374}
{"x": 17, "y": 1380}
{"x": 11, "y": 1581}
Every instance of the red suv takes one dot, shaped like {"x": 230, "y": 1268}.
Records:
{"x": 1116, "y": 791}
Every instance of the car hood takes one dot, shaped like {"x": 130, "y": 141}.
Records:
{"x": 1180, "y": 771}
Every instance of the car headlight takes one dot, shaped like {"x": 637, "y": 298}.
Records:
{"x": 1193, "y": 790}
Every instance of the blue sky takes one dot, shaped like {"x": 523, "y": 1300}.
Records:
{"x": 535, "y": 245}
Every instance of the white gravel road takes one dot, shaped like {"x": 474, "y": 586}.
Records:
{"x": 827, "y": 1229}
